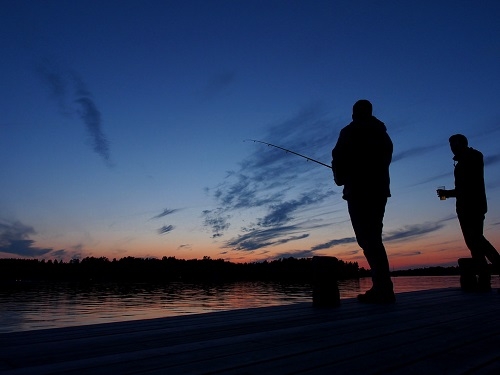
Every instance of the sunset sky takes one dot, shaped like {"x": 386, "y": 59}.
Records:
{"x": 123, "y": 125}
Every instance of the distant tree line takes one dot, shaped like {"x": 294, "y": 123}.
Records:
{"x": 130, "y": 269}
{"x": 428, "y": 271}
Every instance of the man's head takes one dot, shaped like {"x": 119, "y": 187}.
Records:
{"x": 458, "y": 143}
{"x": 361, "y": 110}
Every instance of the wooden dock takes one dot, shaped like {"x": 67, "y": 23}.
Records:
{"x": 441, "y": 331}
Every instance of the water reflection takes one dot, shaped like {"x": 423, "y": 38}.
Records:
{"x": 34, "y": 306}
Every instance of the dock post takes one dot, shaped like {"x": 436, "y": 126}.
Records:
{"x": 468, "y": 279}
{"x": 325, "y": 289}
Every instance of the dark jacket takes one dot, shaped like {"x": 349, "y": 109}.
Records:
{"x": 361, "y": 159}
{"x": 469, "y": 182}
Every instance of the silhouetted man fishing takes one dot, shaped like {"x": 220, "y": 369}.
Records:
{"x": 471, "y": 207}
{"x": 360, "y": 163}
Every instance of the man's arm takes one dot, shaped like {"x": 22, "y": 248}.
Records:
{"x": 446, "y": 193}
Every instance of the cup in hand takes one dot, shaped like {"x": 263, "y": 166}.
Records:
{"x": 440, "y": 191}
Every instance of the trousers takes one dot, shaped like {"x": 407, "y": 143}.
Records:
{"x": 472, "y": 225}
{"x": 367, "y": 215}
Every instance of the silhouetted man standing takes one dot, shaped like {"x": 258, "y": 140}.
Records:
{"x": 471, "y": 206}
{"x": 360, "y": 162}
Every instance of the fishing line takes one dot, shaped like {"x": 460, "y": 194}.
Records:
{"x": 290, "y": 151}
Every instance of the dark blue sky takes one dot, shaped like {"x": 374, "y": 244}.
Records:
{"x": 123, "y": 124}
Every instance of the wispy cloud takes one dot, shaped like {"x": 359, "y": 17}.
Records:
{"x": 217, "y": 220}
{"x": 165, "y": 212}
{"x": 415, "y": 151}
{"x": 317, "y": 250}
{"x": 166, "y": 229}
{"x": 57, "y": 86}
{"x": 333, "y": 243}
{"x": 91, "y": 116}
{"x": 491, "y": 159}
{"x": 437, "y": 177}
{"x": 281, "y": 213}
{"x": 412, "y": 231}
{"x": 73, "y": 98}
{"x": 245, "y": 192}
{"x": 409, "y": 232}
{"x": 15, "y": 240}
{"x": 405, "y": 254}
{"x": 261, "y": 238}
{"x": 281, "y": 186}
{"x": 60, "y": 254}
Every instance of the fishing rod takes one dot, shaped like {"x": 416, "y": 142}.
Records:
{"x": 290, "y": 151}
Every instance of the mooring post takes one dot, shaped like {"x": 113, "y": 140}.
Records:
{"x": 325, "y": 289}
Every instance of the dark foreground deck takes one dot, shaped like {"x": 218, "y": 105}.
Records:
{"x": 441, "y": 331}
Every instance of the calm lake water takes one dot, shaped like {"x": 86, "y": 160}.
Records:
{"x": 30, "y": 306}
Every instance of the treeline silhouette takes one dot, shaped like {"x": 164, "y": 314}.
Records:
{"x": 428, "y": 271}
{"x": 167, "y": 269}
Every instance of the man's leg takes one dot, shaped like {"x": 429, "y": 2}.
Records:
{"x": 367, "y": 221}
{"x": 472, "y": 228}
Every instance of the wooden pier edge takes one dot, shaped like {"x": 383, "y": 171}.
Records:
{"x": 442, "y": 331}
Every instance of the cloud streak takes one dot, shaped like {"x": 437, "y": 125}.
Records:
{"x": 412, "y": 231}
{"x": 15, "y": 240}
{"x": 217, "y": 220}
{"x": 434, "y": 178}
{"x": 280, "y": 186}
{"x": 261, "y": 238}
{"x": 91, "y": 116}
{"x": 415, "y": 151}
{"x": 165, "y": 212}
{"x": 333, "y": 243}
{"x": 83, "y": 105}
{"x": 409, "y": 232}
{"x": 281, "y": 213}
{"x": 166, "y": 229}
{"x": 491, "y": 159}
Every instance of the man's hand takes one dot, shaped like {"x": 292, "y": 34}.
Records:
{"x": 442, "y": 193}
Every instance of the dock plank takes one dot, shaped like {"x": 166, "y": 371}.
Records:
{"x": 432, "y": 332}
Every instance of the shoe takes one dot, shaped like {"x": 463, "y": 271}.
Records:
{"x": 377, "y": 297}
